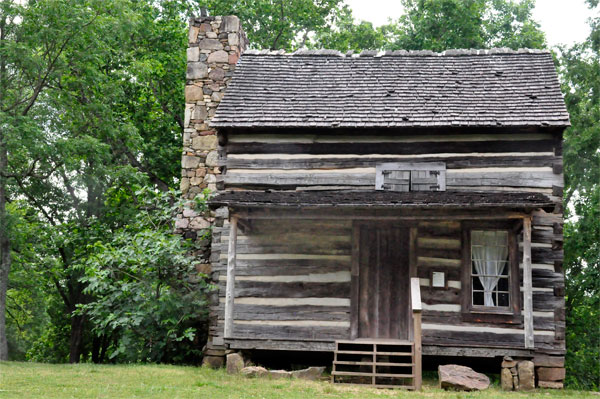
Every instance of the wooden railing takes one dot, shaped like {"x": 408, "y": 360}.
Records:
{"x": 415, "y": 299}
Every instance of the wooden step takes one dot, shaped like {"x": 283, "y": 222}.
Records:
{"x": 361, "y": 363}
{"x": 366, "y": 370}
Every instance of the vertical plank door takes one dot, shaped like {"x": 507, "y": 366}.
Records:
{"x": 384, "y": 281}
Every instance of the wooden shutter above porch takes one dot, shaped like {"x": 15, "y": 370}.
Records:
{"x": 397, "y": 176}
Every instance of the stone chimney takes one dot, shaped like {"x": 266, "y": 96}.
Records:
{"x": 215, "y": 45}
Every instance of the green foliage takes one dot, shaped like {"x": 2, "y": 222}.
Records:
{"x": 279, "y": 24}
{"x": 580, "y": 73}
{"x": 148, "y": 297}
{"x": 440, "y": 25}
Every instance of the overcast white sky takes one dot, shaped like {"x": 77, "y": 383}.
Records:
{"x": 564, "y": 21}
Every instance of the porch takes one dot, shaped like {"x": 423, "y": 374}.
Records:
{"x": 279, "y": 306}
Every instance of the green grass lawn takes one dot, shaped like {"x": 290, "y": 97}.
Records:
{"x": 34, "y": 380}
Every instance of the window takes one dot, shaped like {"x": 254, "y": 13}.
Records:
{"x": 490, "y": 270}
{"x": 490, "y": 274}
{"x": 396, "y": 176}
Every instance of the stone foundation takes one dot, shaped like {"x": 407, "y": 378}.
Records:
{"x": 520, "y": 375}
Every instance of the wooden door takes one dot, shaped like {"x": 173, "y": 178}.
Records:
{"x": 383, "y": 282}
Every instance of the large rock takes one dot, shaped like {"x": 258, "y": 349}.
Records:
{"x": 549, "y": 361}
{"x": 217, "y": 56}
{"x": 506, "y": 379}
{"x": 235, "y": 363}
{"x": 230, "y": 23}
{"x": 280, "y": 374}
{"x": 214, "y": 362}
{"x": 508, "y": 362}
{"x": 551, "y": 384}
{"x": 197, "y": 70}
{"x": 254, "y": 371}
{"x": 210, "y": 44}
{"x": 462, "y": 378}
{"x": 526, "y": 371}
{"x": 311, "y": 373}
{"x": 551, "y": 373}
{"x": 204, "y": 142}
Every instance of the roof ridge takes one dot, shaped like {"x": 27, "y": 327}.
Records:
{"x": 399, "y": 53}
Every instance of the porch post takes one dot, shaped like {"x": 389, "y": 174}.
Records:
{"x": 527, "y": 283}
{"x": 230, "y": 287}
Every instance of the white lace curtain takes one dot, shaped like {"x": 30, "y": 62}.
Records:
{"x": 489, "y": 250}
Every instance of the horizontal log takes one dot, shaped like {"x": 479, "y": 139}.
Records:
{"x": 324, "y": 136}
{"x": 544, "y": 255}
{"x": 546, "y": 301}
{"x": 303, "y": 312}
{"x": 289, "y": 332}
{"x": 299, "y": 247}
{"x": 467, "y": 338}
{"x": 425, "y": 147}
{"x": 543, "y": 278}
{"x": 291, "y": 345}
{"x": 286, "y": 267}
{"x": 452, "y": 162}
{"x": 457, "y": 319}
{"x": 542, "y": 218}
{"x": 454, "y": 179}
{"x": 259, "y": 289}
{"x": 439, "y": 253}
{"x": 429, "y": 261}
{"x": 438, "y": 243}
{"x": 440, "y": 296}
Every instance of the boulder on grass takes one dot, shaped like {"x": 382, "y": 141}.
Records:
{"x": 214, "y": 362}
{"x": 254, "y": 371}
{"x": 235, "y": 363}
{"x": 311, "y": 373}
{"x": 462, "y": 378}
{"x": 280, "y": 374}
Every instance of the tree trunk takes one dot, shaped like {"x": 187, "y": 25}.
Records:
{"x": 77, "y": 324}
{"x": 5, "y": 258}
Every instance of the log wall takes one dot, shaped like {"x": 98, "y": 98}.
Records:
{"x": 474, "y": 162}
{"x": 293, "y": 276}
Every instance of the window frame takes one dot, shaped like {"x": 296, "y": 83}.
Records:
{"x": 472, "y": 312}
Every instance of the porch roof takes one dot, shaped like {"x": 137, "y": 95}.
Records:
{"x": 380, "y": 199}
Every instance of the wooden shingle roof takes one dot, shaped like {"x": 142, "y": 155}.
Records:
{"x": 488, "y": 88}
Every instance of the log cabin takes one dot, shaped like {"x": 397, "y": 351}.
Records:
{"x": 381, "y": 206}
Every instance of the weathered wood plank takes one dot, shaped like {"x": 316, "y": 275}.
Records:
{"x": 290, "y": 332}
{"x": 291, "y": 345}
{"x": 288, "y": 267}
{"x": 452, "y": 162}
{"x": 467, "y": 338}
{"x": 261, "y": 289}
{"x": 230, "y": 288}
{"x": 302, "y": 312}
{"x": 439, "y": 296}
{"x": 425, "y": 147}
{"x": 527, "y": 285}
{"x": 453, "y": 179}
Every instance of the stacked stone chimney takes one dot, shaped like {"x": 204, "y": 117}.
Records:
{"x": 215, "y": 45}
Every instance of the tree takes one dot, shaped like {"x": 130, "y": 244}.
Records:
{"x": 33, "y": 38}
{"x": 279, "y": 24}
{"x": 440, "y": 25}
{"x": 579, "y": 68}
